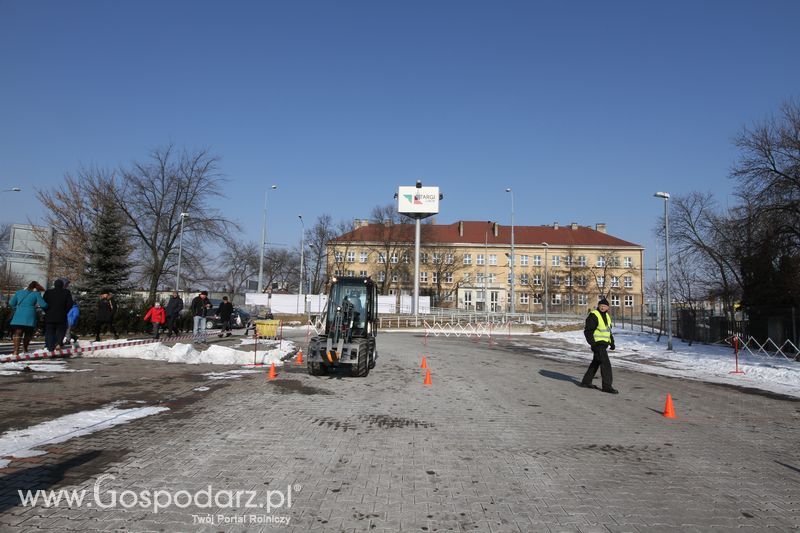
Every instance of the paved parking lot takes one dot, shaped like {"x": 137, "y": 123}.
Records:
{"x": 503, "y": 440}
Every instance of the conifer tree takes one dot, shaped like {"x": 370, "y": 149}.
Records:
{"x": 108, "y": 267}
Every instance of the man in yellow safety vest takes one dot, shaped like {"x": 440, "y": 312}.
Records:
{"x": 598, "y": 334}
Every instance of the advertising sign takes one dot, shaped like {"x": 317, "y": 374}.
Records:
{"x": 418, "y": 201}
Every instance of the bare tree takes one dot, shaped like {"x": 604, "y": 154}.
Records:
{"x": 238, "y": 263}
{"x": 391, "y": 243}
{"x": 317, "y": 238}
{"x": 153, "y": 194}
{"x": 444, "y": 264}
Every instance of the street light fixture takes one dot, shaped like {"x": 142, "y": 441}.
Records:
{"x": 302, "y": 253}
{"x": 13, "y": 189}
{"x": 665, "y": 196}
{"x": 546, "y": 284}
{"x": 513, "y": 279}
{"x": 180, "y": 252}
{"x": 263, "y": 243}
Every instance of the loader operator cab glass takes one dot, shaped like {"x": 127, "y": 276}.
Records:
{"x": 345, "y": 297}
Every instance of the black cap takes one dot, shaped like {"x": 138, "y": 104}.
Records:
{"x": 602, "y": 301}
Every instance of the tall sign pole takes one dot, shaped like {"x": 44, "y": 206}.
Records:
{"x": 417, "y": 202}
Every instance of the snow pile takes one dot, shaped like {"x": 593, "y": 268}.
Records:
{"x": 271, "y": 352}
{"x": 21, "y": 442}
{"x": 55, "y": 365}
{"x": 641, "y": 352}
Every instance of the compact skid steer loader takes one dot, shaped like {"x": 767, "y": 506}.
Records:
{"x": 350, "y": 328}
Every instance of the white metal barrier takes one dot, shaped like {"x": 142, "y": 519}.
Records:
{"x": 756, "y": 348}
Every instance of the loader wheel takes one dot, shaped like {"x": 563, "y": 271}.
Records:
{"x": 317, "y": 369}
{"x": 361, "y": 368}
{"x": 371, "y": 354}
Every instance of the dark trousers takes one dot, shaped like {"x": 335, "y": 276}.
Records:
{"x": 173, "y": 324}
{"x": 101, "y": 326}
{"x": 226, "y": 324}
{"x": 54, "y": 335}
{"x": 156, "y": 330}
{"x": 599, "y": 360}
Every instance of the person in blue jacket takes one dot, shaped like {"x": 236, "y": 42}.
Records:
{"x": 72, "y": 321}
{"x": 24, "y": 302}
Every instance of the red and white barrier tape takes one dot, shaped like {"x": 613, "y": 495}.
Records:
{"x": 45, "y": 354}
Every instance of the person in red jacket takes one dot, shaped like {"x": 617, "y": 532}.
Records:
{"x": 158, "y": 317}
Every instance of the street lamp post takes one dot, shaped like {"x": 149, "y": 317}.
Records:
{"x": 180, "y": 252}
{"x": 302, "y": 254}
{"x": 668, "y": 303}
{"x": 546, "y": 284}
{"x": 486, "y": 272}
{"x": 263, "y": 244}
{"x": 513, "y": 279}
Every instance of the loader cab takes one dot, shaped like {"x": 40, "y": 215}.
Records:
{"x": 355, "y": 298}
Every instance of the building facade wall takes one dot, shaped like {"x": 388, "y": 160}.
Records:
{"x": 471, "y": 276}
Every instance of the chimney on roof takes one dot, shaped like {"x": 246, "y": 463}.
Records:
{"x": 460, "y": 228}
{"x": 574, "y": 225}
{"x": 555, "y": 225}
{"x": 601, "y": 227}
{"x": 361, "y": 223}
{"x": 496, "y": 229}
{"x": 387, "y": 223}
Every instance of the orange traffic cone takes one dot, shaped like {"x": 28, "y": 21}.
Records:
{"x": 669, "y": 410}
{"x": 424, "y": 362}
{"x": 427, "y": 378}
{"x": 300, "y": 357}
{"x": 272, "y": 374}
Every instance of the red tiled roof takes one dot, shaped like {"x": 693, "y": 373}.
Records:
{"x": 475, "y": 233}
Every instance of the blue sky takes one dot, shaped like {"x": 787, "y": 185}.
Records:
{"x": 583, "y": 108}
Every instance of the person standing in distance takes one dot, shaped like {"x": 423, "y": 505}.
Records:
{"x": 225, "y": 311}
{"x": 59, "y": 302}
{"x": 200, "y": 307}
{"x": 105, "y": 316}
{"x": 173, "y": 311}
{"x": 598, "y": 334}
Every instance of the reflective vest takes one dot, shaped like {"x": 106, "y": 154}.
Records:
{"x": 603, "y": 331}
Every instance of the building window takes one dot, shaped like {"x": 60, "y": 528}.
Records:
{"x": 582, "y": 299}
{"x": 537, "y": 260}
{"x": 615, "y": 282}
{"x": 449, "y": 259}
{"x": 568, "y": 281}
{"x": 614, "y": 300}
{"x": 555, "y": 298}
{"x": 479, "y": 278}
{"x": 537, "y": 279}
{"x": 351, "y": 273}
{"x": 555, "y": 260}
{"x": 467, "y": 259}
{"x": 467, "y": 277}
{"x": 351, "y": 257}
{"x": 601, "y": 261}
{"x": 337, "y": 272}
{"x": 581, "y": 280}
{"x": 628, "y": 282}
{"x": 363, "y": 257}
{"x": 437, "y": 258}
{"x": 601, "y": 281}
{"x": 381, "y": 257}
{"x": 338, "y": 257}
{"x": 568, "y": 298}
{"x": 393, "y": 292}
{"x": 628, "y": 262}
{"x": 613, "y": 261}
{"x": 523, "y": 279}
{"x": 524, "y": 298}
{"x": 362, "y": 273}
{"x": 448, "y": 277}
{"x": 628, "y": 300}
{"x": 523, "y": 260}
{"x": 394, "y": 277}
{"x": 393, "y": 258}
{"x": 582, "y": 260}
{"x": 423, "y": 258}
{"x": 556, "y": 281}
{"x": 492, "y": 277}
{"x": 405, "y": 277}
{"x": 492, "y": 259}
{"x": 381, "y": 276}
{"x": 568, "y": 260}
{"x": 537, "y": 298}
{"x": 405, "y": 258}
{"x": 467, "y": 299}
{"x": 479, "y": 260}
{"x": 435, "y": 277}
